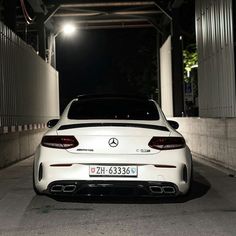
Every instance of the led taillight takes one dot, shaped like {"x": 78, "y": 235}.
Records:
{"x": 62, "y": 142}
{"x": 167, "y": 143}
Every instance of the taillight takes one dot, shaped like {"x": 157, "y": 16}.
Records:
{"x": 62, "y": 142}
{"x": 166, "y": 143}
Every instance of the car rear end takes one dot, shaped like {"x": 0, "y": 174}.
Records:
{"x": 136, "y": 151}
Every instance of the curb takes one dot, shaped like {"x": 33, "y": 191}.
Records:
{"x": 204, "y": 160}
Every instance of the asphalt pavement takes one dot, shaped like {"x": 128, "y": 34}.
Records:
{"x": 209, "y": 210}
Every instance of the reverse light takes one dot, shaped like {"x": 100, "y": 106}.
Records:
{"x": 166, "y": 143}
{"x": 62, "y": 142}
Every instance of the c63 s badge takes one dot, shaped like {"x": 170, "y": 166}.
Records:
{"x": 85, "y": 150}
{"x": 143, "y": 150}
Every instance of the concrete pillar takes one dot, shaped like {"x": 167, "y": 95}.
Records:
{"x": 166, "y": 78}
{"x": 177, "y": 65}
{"x": 52, "y": 50}
{"x": 158, "y": 70}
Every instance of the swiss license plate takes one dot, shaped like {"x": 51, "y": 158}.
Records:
{"x": 114, "y": 171}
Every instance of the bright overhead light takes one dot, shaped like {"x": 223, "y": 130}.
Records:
{"x": 68, "y": 29}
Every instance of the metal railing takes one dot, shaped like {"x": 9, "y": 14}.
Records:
{"x": 216, "y": 71}
{"x": 29, "y": 90}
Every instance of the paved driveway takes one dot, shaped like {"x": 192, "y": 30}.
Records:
{"x": 209, "y": 210}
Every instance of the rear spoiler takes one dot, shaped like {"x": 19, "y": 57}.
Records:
{"x": 145, "y": 126}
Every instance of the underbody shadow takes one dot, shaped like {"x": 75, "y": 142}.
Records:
{"x": 200, "y": 187}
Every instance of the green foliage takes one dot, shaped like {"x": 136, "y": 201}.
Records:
{"x": 190, "y": 59}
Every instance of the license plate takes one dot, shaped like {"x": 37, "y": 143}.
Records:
{"x": 114, "y": 171}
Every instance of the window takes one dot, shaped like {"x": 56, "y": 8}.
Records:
{"x": 113, "y": 108}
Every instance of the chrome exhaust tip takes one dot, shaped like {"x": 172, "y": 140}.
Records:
{"x": 156, "y": 189}
{"x": 168, "y": 189}
{"x": 69, "y": 188}
{"x": 57, "y": 188}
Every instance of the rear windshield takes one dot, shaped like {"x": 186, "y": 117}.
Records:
{"x": 113, "y": 108}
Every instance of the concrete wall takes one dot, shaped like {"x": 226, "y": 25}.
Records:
{"x": 16, "y": 146}
{"x": 212, "y": 139}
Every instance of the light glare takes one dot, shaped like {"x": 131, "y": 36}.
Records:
{"x": 68, "y": 29}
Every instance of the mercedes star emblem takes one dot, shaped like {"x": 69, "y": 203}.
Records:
{"x": 113, "y": 142}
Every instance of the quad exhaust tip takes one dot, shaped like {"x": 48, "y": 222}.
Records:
{"x": 70, "y": 188}
{"x": 57, "y": 188}
{"x": 162, "y": 189}
{"x": 168, "y": 189}
{"x": 156, "y": 189}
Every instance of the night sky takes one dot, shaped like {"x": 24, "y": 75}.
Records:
{"x": 106, "y": 61}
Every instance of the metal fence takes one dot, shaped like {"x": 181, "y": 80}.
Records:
{"x": 215, "y": 44}
{"x": 29, "y": 92}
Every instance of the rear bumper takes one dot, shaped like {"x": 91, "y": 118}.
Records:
{"x": 112, "y": 188}
{"x": 172, "y": 166}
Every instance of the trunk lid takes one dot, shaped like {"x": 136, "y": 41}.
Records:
{"x": 113, "y": 138}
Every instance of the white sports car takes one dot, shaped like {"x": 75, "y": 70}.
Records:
{"x": 108, "y": 144}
